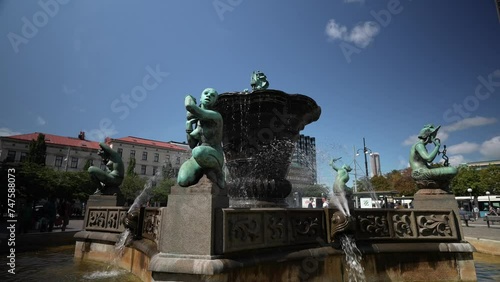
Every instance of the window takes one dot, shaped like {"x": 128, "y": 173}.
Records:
{"x": 132, "y": 154}
{"x": 23, "y": 157}
{"x": 144, "y": 156}
{"x": 157, "y": 157}
{"x": 120, "y": 151}
{"x": 11, "y": 156}
{"x": 155, "y": 169}
{"x": 91, "y": 162}
{"x": 74, "y": 162}
{"x": 167, "y": 158}
{"x": 143, "y": 169}
{"x": 58, "y": 162}
{"x": 178, "y": 160}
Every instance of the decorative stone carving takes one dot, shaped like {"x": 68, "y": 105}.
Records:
{"x": 402, "y": 225}
{"x": 434, "y": 225}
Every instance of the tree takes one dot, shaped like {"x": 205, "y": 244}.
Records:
{"x": 380, "y": 183}
{"x": 466, "y": 178}
{"x": 37, "y": 150}
{"x": 490, "y": 179}
{"x": 401, "y": 181}
{"x": 132, "y": 186}
{"x": 131, "y": 167}
{"x": 314, "y": 190}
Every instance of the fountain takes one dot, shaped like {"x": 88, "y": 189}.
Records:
{"x": 241, "y": 229}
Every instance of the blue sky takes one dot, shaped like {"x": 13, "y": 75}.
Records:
{"x": 379, "y": 69}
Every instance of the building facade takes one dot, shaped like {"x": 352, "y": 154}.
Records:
{"x": 375, "y": 165}
{"x": 73, "y": 153}
{"x": 63, "y": 153}
{"x": 150, "y": 155}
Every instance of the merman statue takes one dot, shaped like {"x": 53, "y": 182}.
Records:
{"x": 204, "y": 136}
{"x": 113, "y": 176}
{"x": 423, "y": 173}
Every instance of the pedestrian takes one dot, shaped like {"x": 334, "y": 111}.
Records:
{"x": 310, "y": 205}
{"x": 476, "y": 212}
{"x": 50, "y": 211}
{"x": 65, "y": 212}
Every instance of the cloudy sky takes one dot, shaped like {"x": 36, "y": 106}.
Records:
{"x": 379, "y": 69}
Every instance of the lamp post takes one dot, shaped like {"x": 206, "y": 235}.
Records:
{"x": 365, "y": 151}
{"x": 470, "y": 200}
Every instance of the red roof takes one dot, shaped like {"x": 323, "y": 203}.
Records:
{"x": 148, "y": 142}
{"x": 58, "y": 140}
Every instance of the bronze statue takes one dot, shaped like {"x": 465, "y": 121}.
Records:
{"x": 339, "y": 186}
{"x": 113, "y": 176}
{"x": 204, "y": 136}
{"x": 259, "y": 81}
{"x": 423, "y": 173}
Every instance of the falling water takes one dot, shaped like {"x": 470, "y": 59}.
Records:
{"x": 354, "y": 269}
{"x": 142, "y": 199}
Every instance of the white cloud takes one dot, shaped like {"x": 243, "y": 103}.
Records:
{"x": 491, "y": 148}
{"x": 40, "y": 120}
{"x": 456, "y": 160}
{"x": 4, "y": 131}
{"x": 468, "y": 123}
{"x": 463, "y": 148}
{"x": 362, "y": 34}
{"x": 411, "y": 140}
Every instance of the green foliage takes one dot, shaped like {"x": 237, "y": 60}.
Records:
{"x": 131, "y": 167}
{"x": 395, "y": 180}
{"x": 380, "y": 183}
{"x": 161, "y": 191}
{"x": 315, "y": 190}
{"x": 37, "y": 150}
{"x": 35, "y": 181}
{"x": 87, "y": 165}
{"x": 132, "y": 186}
{"x": 487, "y": 179}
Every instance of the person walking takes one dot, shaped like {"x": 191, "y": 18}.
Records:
{"x": 476, "y": 212}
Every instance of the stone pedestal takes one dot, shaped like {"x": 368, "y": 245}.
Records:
{"x": 437, "y": 199}
{"x": 192, "y": 224}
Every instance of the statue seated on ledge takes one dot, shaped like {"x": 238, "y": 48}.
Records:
{"x": 204, "y": 136}
{"x": 423, "y": 173}
{"x": 113, "y": 176}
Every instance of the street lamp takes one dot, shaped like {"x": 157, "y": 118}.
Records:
{"x": 365, "y": 151}
{"x": 489, "y": 202}
{"x": 470, "y": 200}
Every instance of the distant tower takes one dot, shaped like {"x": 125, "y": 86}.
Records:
{"x": 375, "y": 164}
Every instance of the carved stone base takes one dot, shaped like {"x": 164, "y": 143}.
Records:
{"x": 192, "y": 224}
{"x": 437, "y": 199}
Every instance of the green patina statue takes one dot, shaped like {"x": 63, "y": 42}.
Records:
{"x": 259, "y": 81}
{"x": 113, "y": 176}
{"x": 423, "y": 173}
{"x": 339, "y": 186}
{"x": 204, "y": 136}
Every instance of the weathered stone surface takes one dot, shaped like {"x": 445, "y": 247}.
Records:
{"x": 192, "y": 223}
{"x": 437, "y": 199}
{"x": 102, "y": 201}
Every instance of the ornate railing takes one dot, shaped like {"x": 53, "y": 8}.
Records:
{"x": 105, "y": 219}
{"x": 247, "y": 229}
{"x": 406, "y": 224}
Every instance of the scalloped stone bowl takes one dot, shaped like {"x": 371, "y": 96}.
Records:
{"x": 260, "y": 130}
